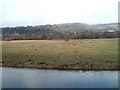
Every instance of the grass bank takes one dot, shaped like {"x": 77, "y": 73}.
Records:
{"x": 61, "y": 54}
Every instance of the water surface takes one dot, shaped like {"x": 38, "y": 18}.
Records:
{"x": 40, "y": 78}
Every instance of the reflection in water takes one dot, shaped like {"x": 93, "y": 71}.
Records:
{"x": 37, "y": 78}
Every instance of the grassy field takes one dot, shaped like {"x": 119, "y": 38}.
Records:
{"x": 71, "y": 51}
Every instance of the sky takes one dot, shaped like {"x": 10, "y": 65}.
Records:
{"x": 41, "y": 12}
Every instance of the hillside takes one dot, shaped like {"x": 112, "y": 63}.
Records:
{"x": 110, "y": 26}
{"x": 58, "y": 31}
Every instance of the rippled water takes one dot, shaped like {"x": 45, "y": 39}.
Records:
{"x": 40, "y": 78}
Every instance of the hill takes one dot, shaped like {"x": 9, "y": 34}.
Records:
{"x": 60, "y": 31}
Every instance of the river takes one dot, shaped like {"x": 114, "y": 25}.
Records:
{"x": 46, "y": 78}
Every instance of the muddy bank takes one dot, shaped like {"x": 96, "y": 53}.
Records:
{"x": 82, "y": 65}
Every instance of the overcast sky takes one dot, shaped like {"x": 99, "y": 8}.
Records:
{"x": 37, "y": 12}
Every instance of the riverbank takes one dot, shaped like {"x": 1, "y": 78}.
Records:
{"x": 84, "y": 54}
{"x": 82, "y": 65}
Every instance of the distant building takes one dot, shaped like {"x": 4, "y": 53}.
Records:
{"x": 16, "y": 34}
{"x": 111, "y": 31}
{"x": 99, "y": 27}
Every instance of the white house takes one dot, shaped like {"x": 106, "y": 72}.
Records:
{"x": 110, "y": 30}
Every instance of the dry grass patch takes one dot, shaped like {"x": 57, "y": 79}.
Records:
{"x": 61, "y": 50}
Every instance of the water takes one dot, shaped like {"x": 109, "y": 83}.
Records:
{"x": 40, "y": 78}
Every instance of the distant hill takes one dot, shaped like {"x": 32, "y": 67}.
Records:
{"x": 110, "y": 26}
{"x": 66, "y": 30}
{"x": 81, "y": 27}
{"x": 67, "y": 27}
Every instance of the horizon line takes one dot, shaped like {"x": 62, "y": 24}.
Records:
{"x": 59, "y": 24}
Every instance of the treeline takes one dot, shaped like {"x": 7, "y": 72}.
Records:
{"x": 48, "y": 32}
